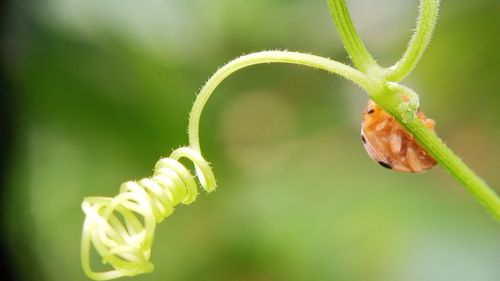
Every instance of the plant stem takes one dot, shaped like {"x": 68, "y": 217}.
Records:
{"x": 484, "y": 194}
{"x": 353, "y": 44}
{"x": 326, "y": 64}
{"x": 382, "y": 91}
{"x": 427, "y": 18}
{"x": 472, "y": 182}
{"x": 385, "y": 94}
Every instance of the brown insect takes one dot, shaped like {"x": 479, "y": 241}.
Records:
{"x": 388, "y": 143}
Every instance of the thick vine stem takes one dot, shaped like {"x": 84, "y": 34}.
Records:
{"x": 426, "y": 22}
{"x": 443, "y": 155}
{"x": 478, "y": 188}
{"x": 263, "y": 57}
{"x": 353, "y": 44}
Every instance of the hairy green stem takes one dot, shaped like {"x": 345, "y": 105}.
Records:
{"x": 386, "y": 94}
{"x": 478, "y": 188}
{"x": 353, "y": 44}
{"x": 326, "y": 64}
{"x": 427, "y": 18}
{"x": 449, "y": 160}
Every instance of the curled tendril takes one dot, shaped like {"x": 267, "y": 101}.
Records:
{"x": 121, "y": 229}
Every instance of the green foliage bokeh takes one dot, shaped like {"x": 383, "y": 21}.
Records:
{"x": 104, "y": 89}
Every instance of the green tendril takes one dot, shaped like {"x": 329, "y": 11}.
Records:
{"x": 353, "y": 44}
{"x": 426, "y": 22}
{"x": 266, "y": 57}
{"x": 121, "y": 229}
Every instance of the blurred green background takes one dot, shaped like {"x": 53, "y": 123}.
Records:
{"x": 103, "y": 90}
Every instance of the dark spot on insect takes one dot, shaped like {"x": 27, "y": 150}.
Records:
{"x": 363, "y": 139}
{"x": 385, "y": 165}
{"x": 371, "y": 111}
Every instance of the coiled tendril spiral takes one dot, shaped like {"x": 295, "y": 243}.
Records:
{"x": 121, "y": 229}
